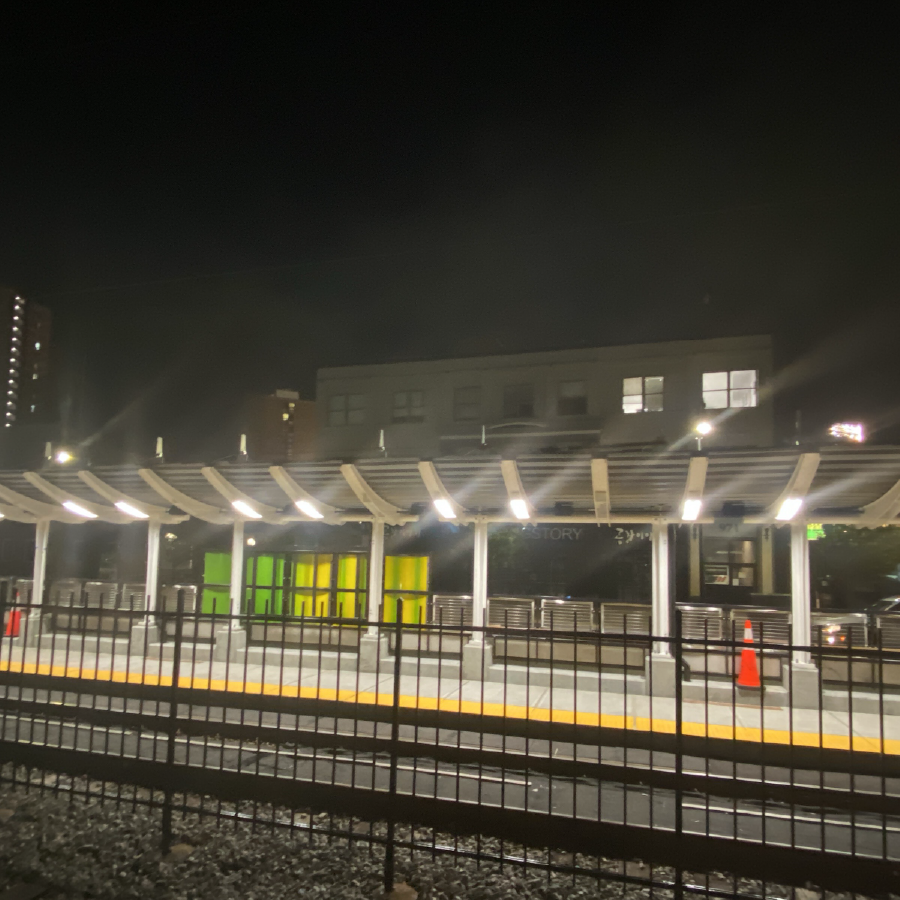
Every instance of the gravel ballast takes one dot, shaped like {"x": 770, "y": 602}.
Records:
{"x": 84, "y": 848}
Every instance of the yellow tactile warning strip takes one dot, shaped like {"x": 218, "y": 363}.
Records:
{"x": 861, "y": 743}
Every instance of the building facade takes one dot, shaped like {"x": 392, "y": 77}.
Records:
{"x": 555, "y": 401}
{"x": 280, "y": 427}
{"x": 25, "y": 328}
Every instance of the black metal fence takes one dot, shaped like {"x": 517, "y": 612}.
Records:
{"x": 590, "y": 751}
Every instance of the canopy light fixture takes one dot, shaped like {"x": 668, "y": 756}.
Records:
{"x": 245, "y": 509}
{"x": 703, "y": 428}
{"x": 130, "y": 510}
{"x": 691, "y": 510}
{"x": 445, "y": 508}
{"x": 519, "y": 508}
{"x": 73, "y": 507}
{"x": 251, "y": 542}
{"x": 308, "y": 509}
{"x": 789, "y": 509}
{"x": 63, "y": 456}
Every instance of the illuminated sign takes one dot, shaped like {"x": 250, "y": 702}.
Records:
{"x": 814, "y": 531}
{"x": 848, "y": 431}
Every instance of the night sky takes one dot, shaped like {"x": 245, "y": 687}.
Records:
{"x": 220, "y": 200}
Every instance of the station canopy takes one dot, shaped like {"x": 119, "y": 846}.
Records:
{"x": 838, "y": 483}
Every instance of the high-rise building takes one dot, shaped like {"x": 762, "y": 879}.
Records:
{"x": 25, "y": 348}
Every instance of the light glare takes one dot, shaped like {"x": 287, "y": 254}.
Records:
{"x": 691, "y": 510}
{"x": 848, "y": 431}
{"x": 519, "y": 508}
{"x": 308, "y": 509}
{"x": 73, "y": 507}
{"x": 246, "y": 509}
{"x": 63, "y": 456}
{"x": 789, "y": 509}
{"x": 130, "y": 510}
{"x": 703, "y": 428}
{"x": 445, "y": 508}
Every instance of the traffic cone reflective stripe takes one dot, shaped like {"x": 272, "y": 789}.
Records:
{"x": 748, "y": 676}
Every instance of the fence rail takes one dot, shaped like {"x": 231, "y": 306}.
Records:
{"x": 610, "y": 747}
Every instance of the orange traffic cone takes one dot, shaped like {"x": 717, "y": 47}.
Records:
{"x": 748, "y": 676}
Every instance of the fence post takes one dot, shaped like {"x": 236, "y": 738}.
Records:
{"x": 173, "y": 723}
{"x": 395, "y": 739}
{"x": 679, "y": 749}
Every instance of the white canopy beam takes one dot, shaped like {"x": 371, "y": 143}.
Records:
{"x": 115, "y": 496}
{"x": 14, "y": 514}
{"x": 692, "y": 501}
{"x": 241, "y": 502}
{"x": 195, "y": 508}
{"x": 518, "y": 500}
{"x": 97, "y": 511}
{"x": 38, "y": 508}
{"x": 600, "y": 490}
{"x": 303, "y": 500}
{"x": 377, "y": 505}
{"x": 445, "y": 506}
{"x": 882, "y": 511}
{"x": 794, "y": 493}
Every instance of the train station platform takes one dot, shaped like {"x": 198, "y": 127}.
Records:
{"x": 860, "y": 720}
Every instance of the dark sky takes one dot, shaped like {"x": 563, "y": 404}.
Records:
{"x": 225, "y": 200}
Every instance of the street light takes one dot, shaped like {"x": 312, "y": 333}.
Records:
{"x": 63, "y": 457}
{"x": 703, "y": 429}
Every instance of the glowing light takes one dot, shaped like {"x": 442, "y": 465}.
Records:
{"x": 848, "y": 431}
{"x": 703, "y": 428}
{"x": 789, "y": 509}
{"x": 246, "y": 509}
{"x": 308, "y": 509}
{"x": 73, "y": 507}
{"x": 130, "y": 510}
{"x": 445, "y": 508}
{"x": 519, "y": 508}
{"x": 251, "y": 542}
{"x": 691, "y": 510}
{"x": 63, "y": 456}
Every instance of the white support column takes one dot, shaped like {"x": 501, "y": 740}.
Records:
{"x": 144, "y": 631}
{"x": 480, "y": 578}
{"x": 659, "y": 539}
{"x": 477, "y": 653}
{"x": 800, "y": 600}
{"x": 376, "y": 576}
{"x": 660, "y": 669}
{"x": 41, "y": 537}
{"x": 373, "y": 645}
{"x": 30, "y": 624}
{"x": 696, "y": 562}
{"x": 766, "y": 560}
{"x": 803, "y": 677}
{"x": 152, "y": 577}
{"x": 231, "y": 640}
{"x": 237, "y": 568}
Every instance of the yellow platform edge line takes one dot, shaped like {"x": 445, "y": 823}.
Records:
{"x": 861, "y": 743}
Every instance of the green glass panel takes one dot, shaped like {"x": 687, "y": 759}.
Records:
{"x": 216, "y": 570}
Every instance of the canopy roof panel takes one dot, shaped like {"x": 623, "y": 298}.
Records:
{"x": 650, "y": 483}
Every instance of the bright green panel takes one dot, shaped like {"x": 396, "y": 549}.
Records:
{"x": 391, "y": 572}
{"x": 304, "y": 565}
{"x": 215, "y": 600}
{"x": 217, "y": 568}
{"x": 406, "y": 573}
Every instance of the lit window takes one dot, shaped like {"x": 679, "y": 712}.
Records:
{"x": 34, "y": 377}
{"x": 518, "y": 401}
{"x": 285, "y": 416}
{"x": 37, "y": 345}
{"x": 722, "y": 390}
{"x": 572, "y": 400}
{"x": 409, "y": 406}
{"x": 32, "y": 407}
{"x": 467, "y": 404}
{"x": 642, "y": 394}
{"x": 347, "y": 409}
